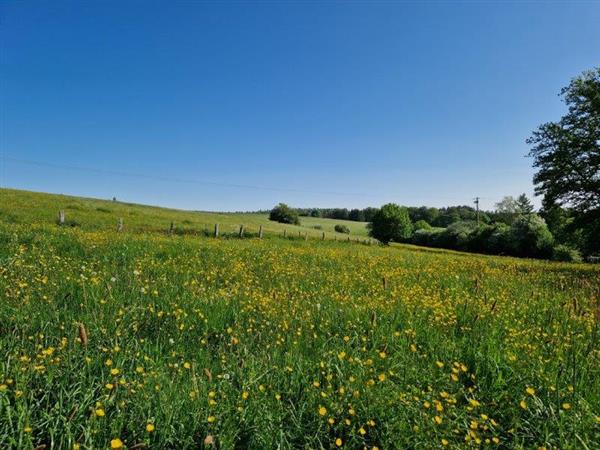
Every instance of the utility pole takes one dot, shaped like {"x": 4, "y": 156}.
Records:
{"x": 477, "y": 207}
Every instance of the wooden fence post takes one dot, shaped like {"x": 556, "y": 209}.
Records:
{"x": 323, "y": 236}
{"x": 306, "y": 236}
{"x": 384, "y": 280}
{"x": 285, "y": 232}
{"x": 171, "y": 228}
{"x": 120, "y": 225}
{"x": 241, "y": 233}
{"x": 216, "y": 230}
{"x": 260, "y": 232}
{"x": 61, "y": 217}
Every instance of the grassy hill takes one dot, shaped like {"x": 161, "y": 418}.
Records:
{"x": 17, "y": 206}
{"x": 144, "y": 340}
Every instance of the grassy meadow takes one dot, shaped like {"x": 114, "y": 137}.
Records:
{"x": 144, "y": 340}
{"x": 88, "y": 214}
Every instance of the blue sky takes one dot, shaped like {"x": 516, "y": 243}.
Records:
{"x": 344, "y": 104}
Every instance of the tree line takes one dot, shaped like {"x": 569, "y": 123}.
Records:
{"x": 566, "y": 155}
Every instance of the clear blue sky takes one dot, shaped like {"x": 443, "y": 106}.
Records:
{"x": 344, "y": 104}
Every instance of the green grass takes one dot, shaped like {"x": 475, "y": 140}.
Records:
{"x": 283, "y": 343}
{"x": 25, "y": 207}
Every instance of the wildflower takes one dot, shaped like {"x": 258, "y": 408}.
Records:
{"x": 445, "y": 442}
{"x": 114, "y": 371}
{"x": 322, "y": 410}
{"x": 523, "y": 404}
{"x": 211, "y": 419}
{"x": 566, "y": 406}
{"x": 150, "y": 428}
{"x": 116, "y": 443}
{"x": 530, "y": 391}
{"x": 338, "y": 442}
{"x": 245, "y": 395}
{"x": 437, "y": 420}
{"x": 109, "y": 386}
{"x": 99, "y": 412}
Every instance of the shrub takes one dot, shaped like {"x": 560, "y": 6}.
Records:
{"x": 457, "y": 235}
{"x": 391, "y": 223}
{"x": 317, "y": 227}
{"x": 282, "y": 213}
{"x": 565, "y": 253}
{"x": 498, "y": 242}
{"x": 530, "y": 237}
{"x": 421, "y": 225}
{"x": 342, "y": 229}
{"x": 427, "y": 238}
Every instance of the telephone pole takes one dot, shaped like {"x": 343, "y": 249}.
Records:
{"x": 477, "y": 208}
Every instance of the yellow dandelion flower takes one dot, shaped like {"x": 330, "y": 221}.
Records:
{"x": 523, "y": 404}
{"x": 150, "y": 428}
{"x": 530, "y": 391}
{"x": 322, "y": 410}
{"x": 338, "y": 442}
{"x": 116, "y": 443}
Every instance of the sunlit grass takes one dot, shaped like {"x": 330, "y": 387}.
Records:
{"x": 140, "y": 338}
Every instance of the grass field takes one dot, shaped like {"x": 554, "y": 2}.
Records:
{"x": 144, "y": 340}
{"x": 92, "y": 214}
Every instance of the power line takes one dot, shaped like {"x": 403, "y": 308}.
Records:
{"x": 172, "y": 179}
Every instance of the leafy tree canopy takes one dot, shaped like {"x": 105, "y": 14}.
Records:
{"x": 567, "y": 152}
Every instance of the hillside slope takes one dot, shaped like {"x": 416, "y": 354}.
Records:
{"x": 17, "y": 206}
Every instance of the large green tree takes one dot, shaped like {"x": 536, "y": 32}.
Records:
{"x": 567, "y": 152}
{"x": 567, "y": 156}
{"x": 391, "y": 223}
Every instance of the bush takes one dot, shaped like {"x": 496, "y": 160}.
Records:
{"x": 282, "y": 213}
{"x": 422, "y": 225}
{"x": 530, "y": 237}
{"x": 427, "y": 238}
{"x": 457, "y": 235}
{"x": 317, "y": 227}
{"x": 342, "y": 229}
{"x": 391, "y": 223}
{"x": 565, "y": 253}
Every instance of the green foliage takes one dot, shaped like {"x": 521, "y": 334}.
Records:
{"x": 530, "y": 237}
{"x": 524, "y": 205}
{"x": 342, "y": 229}
{"x": 391, "y": 223}
{"x": 421, "y": 225}
{"x": 567, "y": 156}
{"x": 282, "y": 213}
{"x": 565, "y": 253}
{"x": 566, "y": 153}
